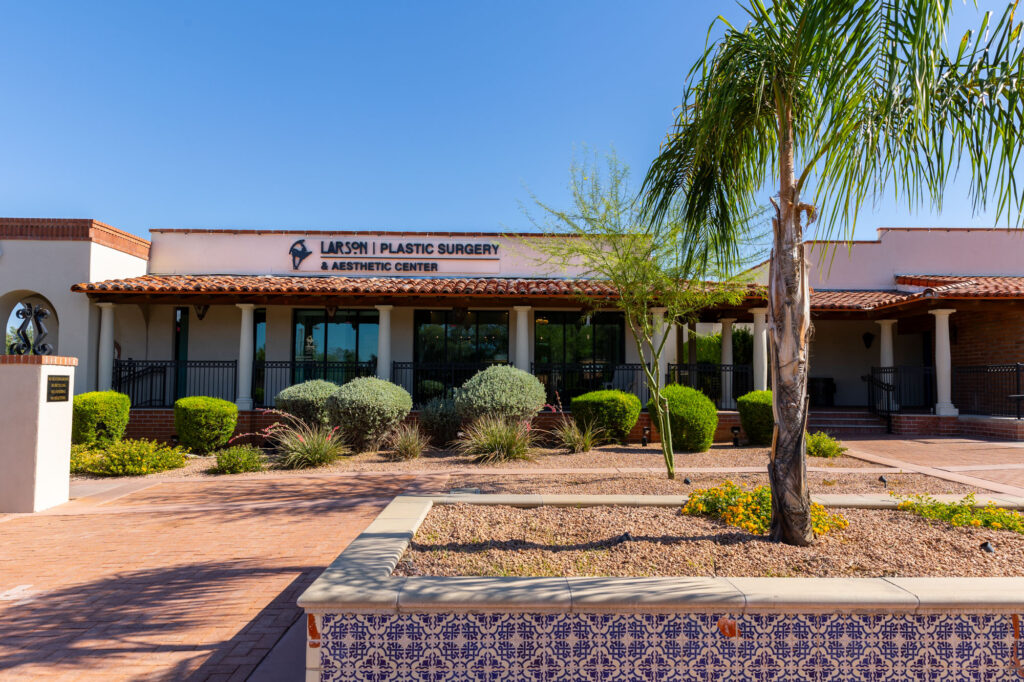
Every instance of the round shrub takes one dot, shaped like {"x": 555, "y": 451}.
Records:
{"x": 99, "y": 417}
{"x": 693, "y": 418}
{"x": 239, "y": 459}
{"x": 440, "y": 420}
{"x": 821, "y": 444}
{"x": 367, "y": 409}
{"x": 204, "y": 424}
{"x": 614, "y": 412}
{"x": 307, "y": 401}
{"x": 500, "y": 391}
{"x": 756, "y": 416}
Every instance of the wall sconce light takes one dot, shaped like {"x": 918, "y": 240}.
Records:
{"x": 646, "y": 438}
{"x": 735, "y": 436}
{"x": 868, "y": 338}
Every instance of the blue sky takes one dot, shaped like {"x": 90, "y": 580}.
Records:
{"x": 341, "y": 115}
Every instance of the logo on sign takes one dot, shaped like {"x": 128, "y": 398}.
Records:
{"x": 299, "y": 252}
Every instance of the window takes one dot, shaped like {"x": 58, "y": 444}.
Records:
{"x": 347, "y": 336}
{"x": 461, "y": 336}
{"x": 259, "y": 324}
{"x": 575, "y": 338}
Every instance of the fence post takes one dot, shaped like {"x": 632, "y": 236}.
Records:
{"x": 1017, "y": 400}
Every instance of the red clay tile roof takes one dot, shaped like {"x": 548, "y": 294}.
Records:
{"x": 267, "y": 284}
{"x": 960, "y": 286}
{"x": 936, "y": 286}
{"x": 832, "y": 299}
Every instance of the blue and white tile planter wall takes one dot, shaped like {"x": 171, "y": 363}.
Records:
{"x": 364, "y": 624}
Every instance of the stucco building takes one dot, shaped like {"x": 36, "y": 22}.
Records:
{"x": 921, "y": 328}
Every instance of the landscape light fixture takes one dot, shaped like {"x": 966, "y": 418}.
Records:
{"x": 646, "y": 438}
{"x": 987, "y": 547}
{"x": 735, "y": 436}
{"x": 884, "y": 480}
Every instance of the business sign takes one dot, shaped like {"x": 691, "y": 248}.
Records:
{"x": 405, "y": 256}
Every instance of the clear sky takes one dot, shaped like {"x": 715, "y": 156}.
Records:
{"x": 403, "y": 115}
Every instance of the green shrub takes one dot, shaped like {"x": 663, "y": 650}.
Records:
{"x": 82, "y": 458}
{"x": 569, "y": 435}
{"x": 820, "y": 444}
{"x": 368, "y": 408}
{"x": 756, "y": 416}
{"x": 964, "y": 513}
{"x": 613, "y": 412}
{"x": 127, "y": 458}
{"x": 239, "y": 459}
{"x": 304, "y": 446}
{"x": 692, "y": 416}
{"x": 430, "y": 388}
{"x": 407, "y": 442}
{"x": 440, "y": 420}
{"x": 492, "y": 439}
{"x": 709, "y": 347}
{"x": 204, "y": 424}
{"x": 500, "y": 391}
{"x": 307, "y": 401}
{"x": 99, "y": 417}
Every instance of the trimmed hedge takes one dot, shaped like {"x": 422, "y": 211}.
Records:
{"x": 500, "y": 391}
{"x": 615, "y": 412}
{"x": 99, "y": 417}
{"x": 307, "y": 401}
{"x": 367, "y": 409}
{"x": 204, "y": 424}
{"x": 756, "y": 416}
{"x": 693, "y": 418}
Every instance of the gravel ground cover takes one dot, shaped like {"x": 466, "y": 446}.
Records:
{"x": 656, "y": 484}
{"x": 605, "y": 457}
{"x": 473, "y": 540}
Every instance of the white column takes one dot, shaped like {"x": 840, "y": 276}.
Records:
{"x": 727, "y": 403}
{"x": 760, "y": 348}
{"x": 105, "y": 357}
{"x": 384, "y": 342}
{"x": 885, "y": 355}
{"x": 245, "y": 358}
{"x": 943, "y": 370}
{"x": 661, "y": 329}
{"x": 522, "y": 324}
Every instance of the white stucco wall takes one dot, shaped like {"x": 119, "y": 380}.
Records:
{"x": 267, "y": 253}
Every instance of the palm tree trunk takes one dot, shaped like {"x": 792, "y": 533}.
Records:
{"x": 789, "y": 314}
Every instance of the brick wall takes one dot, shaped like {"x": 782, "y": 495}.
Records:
{"x": 987, "y": 337}
{"x": 995, "y": 428}
{"x": 158, "y": 424}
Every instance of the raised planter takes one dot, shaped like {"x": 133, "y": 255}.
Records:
{"x": 364, "y": 624}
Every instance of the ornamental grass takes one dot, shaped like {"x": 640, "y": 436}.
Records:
{"x": 751, "y": 510}
{"x": 963, "y": 513}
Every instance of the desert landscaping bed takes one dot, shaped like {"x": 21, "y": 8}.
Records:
{"x": 629, "y": 483}
{"x": 605, "y": 457}
{"x": 471, "y": 540}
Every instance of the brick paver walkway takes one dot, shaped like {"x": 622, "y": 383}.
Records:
{"x": 993, "y": 465}
{"x": 178, "y": 580}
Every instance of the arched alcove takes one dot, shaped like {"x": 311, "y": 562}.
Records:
{"x": 11, "y": 300}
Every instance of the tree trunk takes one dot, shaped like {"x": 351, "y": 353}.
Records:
{"x": 789, "y": 314}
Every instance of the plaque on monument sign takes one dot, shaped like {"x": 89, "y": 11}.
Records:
{"x": 58, "y": 388}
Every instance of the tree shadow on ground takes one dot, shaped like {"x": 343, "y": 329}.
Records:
{"x": 129, "y": 617}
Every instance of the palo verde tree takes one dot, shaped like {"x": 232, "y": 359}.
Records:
{"x": 648, "y": 264}
{"x": 836, "y": 101}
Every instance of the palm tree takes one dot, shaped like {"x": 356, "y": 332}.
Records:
{"x": 858, "y": 98}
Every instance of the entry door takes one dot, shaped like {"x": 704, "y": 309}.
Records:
{"x": 180, "y": 353}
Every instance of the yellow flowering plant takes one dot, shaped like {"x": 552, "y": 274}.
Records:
{"x": 963, "y": 513}
{"x": 751, "y": 510}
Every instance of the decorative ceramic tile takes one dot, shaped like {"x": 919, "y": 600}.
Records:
{"x": 668, "y": 647}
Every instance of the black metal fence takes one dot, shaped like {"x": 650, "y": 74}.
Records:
{"x": 565, "y": 381}
{"x": 270, "y": 377}
{"x": 709, "y": 379}
{"x": 988, "y": 389}
{"x": 158, "y": 383}
{"x": 426, "y": 380}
